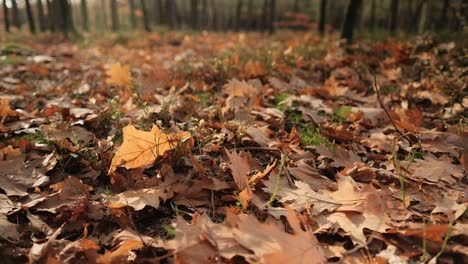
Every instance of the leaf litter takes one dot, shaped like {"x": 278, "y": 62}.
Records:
{"x": 263, "y": 153}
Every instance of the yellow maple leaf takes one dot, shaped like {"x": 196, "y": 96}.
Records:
{"x": 118, "y": 75}
{"x": 141, "y": 148}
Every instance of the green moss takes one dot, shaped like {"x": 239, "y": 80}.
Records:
{"x": 280, "y": 97}
{"x": 15, "y": 47}
{"x": 340, "y": 114}
{"x": 310, "y": 136}
{"x": 204, "y": 98}
{"x": 169, "y": 230}
{"x": 387, "y": 89}
{"x": 9, "y": 60}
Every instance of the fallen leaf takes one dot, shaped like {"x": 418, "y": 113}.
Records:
{"x": 118, "y": 75}
{"x": 138, "y": 199}
{"x": 141, "y": 149}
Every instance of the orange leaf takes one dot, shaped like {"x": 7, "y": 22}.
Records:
{"x": 119, "y": 255}
{"x": 118, "y": 75}
{"x": 141, "y": 148}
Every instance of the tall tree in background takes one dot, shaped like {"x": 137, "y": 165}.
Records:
{"x": 296, "y": 6}
{"x": 15, "y": 15}
{"x": 205, "y": 15}
{"x": 114, "y": 15}
{"x": 350, "y": 20}
{"x": 84, "y": 14}
{"x": 30, "y": 17}
{"x": 131, "y": 4}
{"x": 159, "y": 6}
{"x": 146, "y": 22}
{"x": 250, "y": 15}
{"x": 6, "y": 17}
{"x": 41, "y": 16}
{"x": 194, "y": 14}
{"x": 239, "y": 14}
{"x": 265, "y": 15}
{"x": 422, "y": 17}
{"x": 271, "y": 24}
{"x": 443, "y": 15}
{"x": 372, "y": 15}
{"x": 51, "y": 15}
{"x": 393, "y": 16}
{"x": 322, "y": 17}
{"x": 65, "y": 19}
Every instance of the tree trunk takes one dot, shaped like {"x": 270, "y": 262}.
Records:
{"x": 160, "y": 11}
{"x": 133, "y": 22}
{"x": 322, "y": 18}
{"x": 30, "y": 17}
{"x": 6, "y": 17}
{"x": 205, "y": 15}
{"x": 170, "y": 12}
{"x": 443, "y": 15}
{"x": 271, "y": 24}
{"x": 114, "y": 15}
{"x": 265, "y": 15}
{"x": 194, "y": 14}
{"x": 145, "y": 16}
{"x": 238, "y": 14}
{"x": 51, "y": 15}
{"x": 422, "y": 17}
{"x": 214, "y": 17}
{"x": 296, "y": 6}
{"x": 394, "y": 16}
{"x": 250, "y": 15}
{"x": 350, "y": 20}
{"x": 41, "y": 15}
{"x": 373, "y": 15}
{"x": 15, "y": 15}
{"x": 84, "y": 15}
{"x": 65, "y": 19}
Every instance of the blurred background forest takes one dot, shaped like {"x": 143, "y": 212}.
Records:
{"x": 370, "y": 17}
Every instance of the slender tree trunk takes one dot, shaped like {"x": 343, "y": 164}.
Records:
{"x": 170, "y": 13}
{"x": 51, "y": 15}
{"x": 422, "y": 18}
{"x": 84, "y": 15}
{"x": 296, "y": 6}
{"x": 265, "y": 15}
{"x": 322, "y": 18}
{"x": 160, "y": 11}
{"x": 30, "y": 17}
{"x": 15, "y": 15}
{"x": 6, "y": 17}
{"x": 350, "y": 20}
{"x": 250, "y": 15}
{"x": 373, "y": 15}
{"x": 133, "y": 22}
{"x": 176, "y": 14}
{"x": 238, "y": 14}
{"x": 205, "y": 14}
{"x": 41, "y": 16}
{"x": 394, "y": 16}
{"x": 214, "y": 17}
{"x": 443, "y": 15}
{"x": 194, "y": 14}
{"x": 146, "y": 22}
{"x": 271, "y": 26}
{"x": 66, "y": 16}
{"x": 114, "y": 15}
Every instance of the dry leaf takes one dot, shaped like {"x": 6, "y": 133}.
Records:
{"x": 121, "y": 254}
{"x": 118, "y": 75}
{"x": 141, "y": 149}
{"x": 5, "y": 109}
{"x": 138, "y": 199}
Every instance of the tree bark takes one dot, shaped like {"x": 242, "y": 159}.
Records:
{"x": 394, "y": 16}
{"x": 204, "y": 14}
{"x": 84, "y": 15}
{"x": 250, "y": 15}
{"x": 170, "y": 12}
{"x": 350, "y": 20}
{"x": 66, "y": 16}
{"x": 265, "y": 15}
{"x": 239, "y": 14}
{"x": 194, "y": 14}
{"x": 271, "y": 26}
{"x": 373, "y": 15}
{"x": 160, "y": 11}
{"x": 145, "y": 16}
{"x": 41, "y": 16}
{"x": 322, "y": 18}
{"x": 443, "y": 15}
{"x": 30, "y": 17}
{"x": 6, "y": 17}
{"x": 114, "y": 15}
{"x": 51, "y": 15}
{"x": 422, "y": 17}
{"x": 15, "y": 15}
{"x": 131, "y": 4}
{"x": 296, "y": 6}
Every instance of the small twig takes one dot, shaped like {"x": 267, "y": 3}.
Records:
{"x": 376, "y": 88}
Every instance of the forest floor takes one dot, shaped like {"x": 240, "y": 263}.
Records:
{"x": 233, "y": 148}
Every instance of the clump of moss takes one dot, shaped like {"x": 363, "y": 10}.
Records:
{"x": 340, "y": 114}
{"x": 310, "y": 136}
{"x": 204, "y": 98}
{"x": 280, "y": 97}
